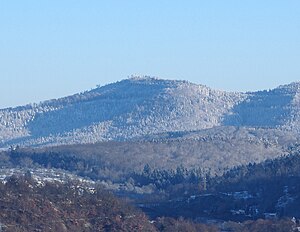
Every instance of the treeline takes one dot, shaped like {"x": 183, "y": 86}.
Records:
{"x": 163, "y": 179}
{"x": 282, "y": 169}
{"x": 77, "y": 164}
{"x": 96, "y": 169}
{"x": 195, "y": 179}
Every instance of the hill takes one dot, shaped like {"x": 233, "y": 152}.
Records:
{"x": 143, "y": 106}
{"x": 213, "y": 150}
{"x": 269, "y": 190}
{"x": 27, "y": 205}
{"x": 31, "y": 205}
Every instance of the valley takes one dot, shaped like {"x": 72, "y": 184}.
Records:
{"x": 184, "y": 155}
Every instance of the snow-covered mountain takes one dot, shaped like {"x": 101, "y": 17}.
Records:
{"x": 143, "y": 106}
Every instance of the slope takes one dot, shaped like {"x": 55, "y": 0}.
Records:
{"x": 119, "y": 111}
{"x": 140, "y": 107}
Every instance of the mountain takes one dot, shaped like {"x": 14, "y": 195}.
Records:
{"x": 142, "y": 107}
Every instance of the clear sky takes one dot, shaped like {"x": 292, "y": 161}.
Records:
{"x": 53, "y": 48}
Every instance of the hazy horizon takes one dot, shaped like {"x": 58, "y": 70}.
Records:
{"x": 52, "y": 49}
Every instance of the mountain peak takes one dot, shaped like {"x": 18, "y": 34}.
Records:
{"x": 146, "y": 79}
{"x": 135, "y": 77}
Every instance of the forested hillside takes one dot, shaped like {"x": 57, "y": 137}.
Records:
{"x": 269, "y": 189}
{"x": 183, "y": 153}
{"x": 140, "y": 107}
{"x": 263, "y": 196}
{"x": 27, "y": 205}
{"x": 213, "y": 151}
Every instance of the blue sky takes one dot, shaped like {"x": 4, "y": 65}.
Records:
{"x": 53, "y": 48}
